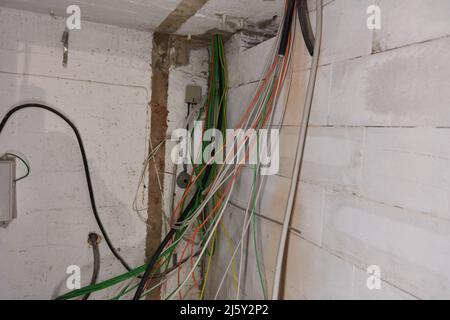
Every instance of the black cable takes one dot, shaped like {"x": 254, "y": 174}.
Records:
{"x": 159, "y": 250}
{"x": 86, "y": 170}
{"x": 23, "y": 161}
{"x": 176, "y": 266}
{"x": 305, "y": 23}
{"x": 184, "y": 214}
{"x": 286, "y": 27}
{"x": 93, "y": 241}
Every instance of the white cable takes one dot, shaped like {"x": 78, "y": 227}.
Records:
{"x": 219, "y": 218}
{"x": 151, "y": 156}
{"x": 246, "y": 227}
{"x": 247, "y": 212}
{"x": 255, "y": 113}
{"x": 247, "y": 222}
{"x": 219, "y": 181}
{"x": 262, "y": 182}
{"x": 300, "y": 153}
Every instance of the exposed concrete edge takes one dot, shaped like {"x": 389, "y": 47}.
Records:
{"x": 161, "y": 61}
{"x": 158, "y": 129}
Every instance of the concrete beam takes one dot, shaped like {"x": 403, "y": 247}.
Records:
{"x": 160, "y": 85}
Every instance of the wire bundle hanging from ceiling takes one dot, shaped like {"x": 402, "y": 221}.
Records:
{"x": 200, "y": 212}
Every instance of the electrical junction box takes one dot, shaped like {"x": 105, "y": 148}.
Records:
{"x": 7, "y": 191}
{"x": 193, "y": 94}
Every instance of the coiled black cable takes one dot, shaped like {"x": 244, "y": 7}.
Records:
{"x": 86, "y": 169}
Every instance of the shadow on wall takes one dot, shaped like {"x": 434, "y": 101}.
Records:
{"x": 54, "y": 220}
{"x": 54, "y": 213}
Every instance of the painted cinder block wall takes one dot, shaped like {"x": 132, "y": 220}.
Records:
{"x": 376, "y": 178}
{"x": 105, "y": 91}
{"x": 375, "y": 185}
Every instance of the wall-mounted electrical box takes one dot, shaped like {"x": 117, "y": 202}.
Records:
{"x": 7, "y": 191}
{"x": 193, "y": 94}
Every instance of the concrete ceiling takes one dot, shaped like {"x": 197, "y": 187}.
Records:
{"x": 148, "y": 14}
{"x": 133, "y": 14}
{"x": 257, "y": 15}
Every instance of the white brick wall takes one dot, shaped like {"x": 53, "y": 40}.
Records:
{"x": 105, "y": 91}
{"x": 376, "y": 175}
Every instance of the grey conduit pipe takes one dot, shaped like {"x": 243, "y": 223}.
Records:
{"x": 94, "y": 242}
{"x": 300, "y": 153}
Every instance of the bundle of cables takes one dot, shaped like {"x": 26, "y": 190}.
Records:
{"x": 198, "y": 193}
{"x": 200, "y": 212}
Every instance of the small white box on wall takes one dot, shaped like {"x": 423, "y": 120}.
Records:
{"x": 7, "y": 191}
